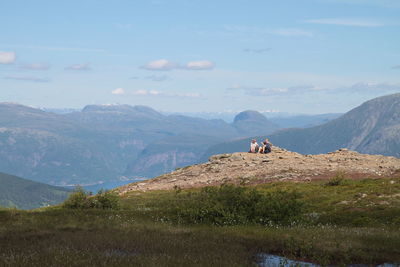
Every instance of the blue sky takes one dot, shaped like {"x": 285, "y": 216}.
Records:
{"x": 298, "y": 56}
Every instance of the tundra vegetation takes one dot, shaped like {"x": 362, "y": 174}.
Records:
{"x": 337, "y": 222}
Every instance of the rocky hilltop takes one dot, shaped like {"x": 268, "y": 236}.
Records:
{"x": 279, "y": 165}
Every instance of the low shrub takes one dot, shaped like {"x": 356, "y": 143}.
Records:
{"x": 336, "y": 180}
{"x": 106, "y": 200}
{"x": 81, "y": 199}
{"x": 234, "y": 205}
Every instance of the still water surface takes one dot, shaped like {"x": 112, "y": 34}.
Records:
{"x": 269, "y": 260}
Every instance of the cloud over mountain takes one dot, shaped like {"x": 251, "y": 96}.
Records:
{"x": 118, "y": 91}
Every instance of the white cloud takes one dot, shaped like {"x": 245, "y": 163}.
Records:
{"x": 166, "y": 65}
{"x": 165, "y": 94}
{"x": 199, "y": 65}
{"x": 26, "y": 78}
{"x": 79, "y": 67}
{"x": 346, "y": 22}
{"x": 35, "y": 66}
{"x": 140, "y": 92}
{"x": 118, "y": 91}
{"x": 154, "y": 92}
{"x": 7, "y": 57}
{"x": 161, "y": 64}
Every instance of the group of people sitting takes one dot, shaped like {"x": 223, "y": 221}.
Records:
{"x": 265, "y": 147}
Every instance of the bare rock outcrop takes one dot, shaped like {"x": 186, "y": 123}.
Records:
{"x": 279, "y": 165}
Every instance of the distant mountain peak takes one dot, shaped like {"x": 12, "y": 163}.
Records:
{"x": 252, "y": 123}
{"x": 249, "y": 115}
{"x": 16, "y": 105}
{"x": 106, "y": 108}
{"x": 19, "y": 108}
{"x": 10, "y": 104}
{"x": 120, "y": 108}
{"x": 146, "y": 109}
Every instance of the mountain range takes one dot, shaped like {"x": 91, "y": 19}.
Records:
{"x": 372, "y": 128}
{"x": 108, "y": 142}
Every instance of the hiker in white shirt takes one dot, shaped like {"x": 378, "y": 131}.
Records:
{"x": 254, "y": 146}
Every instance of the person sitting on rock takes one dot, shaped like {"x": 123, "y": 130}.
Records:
{"x": 266, "y": 147}
{"x": 254, "y": 147}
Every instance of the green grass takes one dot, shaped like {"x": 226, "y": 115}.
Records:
{"x": 366, "y": 202}
{"x": 353, "y": 222}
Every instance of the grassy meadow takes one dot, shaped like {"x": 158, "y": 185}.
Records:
{"x": 337, "y": 222}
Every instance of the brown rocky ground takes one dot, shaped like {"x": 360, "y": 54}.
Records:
{"x": 279, "y": 165}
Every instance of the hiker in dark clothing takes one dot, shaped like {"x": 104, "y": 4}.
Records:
{"x": 266, "y": 147}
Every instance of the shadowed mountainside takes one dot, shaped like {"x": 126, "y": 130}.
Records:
{"x": 25, "y": 194}
{"x": 373, "y": 128}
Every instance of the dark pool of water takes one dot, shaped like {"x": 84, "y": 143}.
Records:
{"x": 269, "y": 260}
